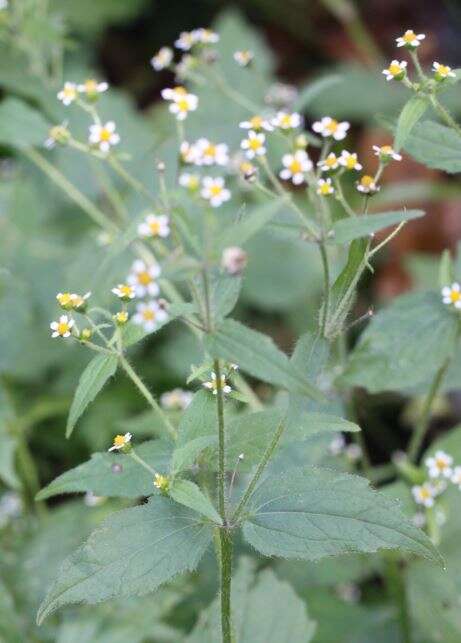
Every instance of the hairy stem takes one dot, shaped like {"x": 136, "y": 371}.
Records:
{"x": 221, "y": 441}
{"x": 444, "y": 114}
{"x": 423, "y": 424}
{"x": 326, "y": 288}
{"x": 396, "y": 589}
{"x": 225, "y": 540}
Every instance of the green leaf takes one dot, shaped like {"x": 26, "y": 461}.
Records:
{"x": 345, "y": 230}
{"x": 257, "y": 354}
{"x": 239, "y": 233}
{"x": 344, "y": 288}
{"x": 20, "y": 125}
{"x": 185, "y": 456}
{"x": 312, "y": 513}
{"x": 411, "y": 113}
{"x": 314, "y": 89}
{"x": 436, "y": 146}
{"x": 199, "y": 419}
{"x": 225, "y": 290}
{"x": 388, "y": 355}
{"x": 265, "y": 609}
{"x": 92, "y": 380}
{"x": 113, "y": 474}
{"x": 188, "y": 493}
{"x": 131, "y": 553}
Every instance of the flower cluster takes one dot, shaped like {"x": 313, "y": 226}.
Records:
{"x": 441, "y": 471}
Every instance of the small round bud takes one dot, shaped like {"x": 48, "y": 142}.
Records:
{"x": 162, "y": 483}
{"x": 161, "y": 166}
{"x": 301, "y": 142}
{"x": 85, "y": 334}
{"x": 121, "y": 317}
{"x": 234, "y": 260}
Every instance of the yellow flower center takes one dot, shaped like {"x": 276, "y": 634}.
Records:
{"x": 193, "y": 182}
{"x": 69, "y": 92}
{"x": 65, "y": 299}
{"x": 215, "y": 190}
{"x": 424, "y": 493}
{"x": 295, "y": 167}
{"x": 409, "y": 36}
{"x": 331, "y": 160}
{"x": 351, "y": 161}
{"x": 122, "y": 316}
{"x": 119, "y": 441}
{"x": 439, "y": 462}
{"x": 332, "y": 126}
{"x": 63, "y": 328}
{"x": 254, "y": 143}
{"x": 455, "y": 296}
{"x": 180, "y": 90}
{"x": 285, "y": 121}
{"x": 387, "y": 149}
{"x": 246, "y": 168}
{"x": 91, "y": 86}
{"x": 395, "y": 69}
{"x": 148, "y": 314}
{"x": 325, "y": 188}
{"x": 126, "y": 290}
{"x": 443, "y": 70}
{"x": 183, "y": 105}
{"x": 105, "y": 135}
{"x": 144, "y": 278}
{"x": 154, "y": 227}
{"x": 256, "y": 122}
{"x": 367, "y": 181}
{"x": 210, "y": 150}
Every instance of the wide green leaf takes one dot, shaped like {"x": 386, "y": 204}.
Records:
{"x": 257, "y": 354}
{"x": 346, "y": 230}
{"x": 436, "y": 146}
{"x": 225, "y": 291}
{"x": 416, "y": 330}
{"x": 131, "y": 553}
{"x": 113, "y": 474}
{"x": 248, "y": 225}
{"x": 265, "y": 609}
{"x": 311, "y": 513}
{"x": 92, "y": 380}
{"x": 199, "y": 419}
{"x": 309, "y": 93}
{"x": 411, "y": 113}
{"x": 187, "y": 493}
{"x": 20, "y": 125}
{"x": 186, "y": 455}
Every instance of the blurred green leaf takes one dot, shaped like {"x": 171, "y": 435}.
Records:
{"x": 311, "y": 513}
{"x": 313, "y": 89}
{"x": 346, "y": 230}
{"x": 132, "y": 553}
{"x": 185, "y": 456}
{"x": 411, "y": 113}
{"x": 436, "y": 146}
{"x": 21, "y": 125}
{"x": 99, "y": 370}
{"x": 187, "y": 493}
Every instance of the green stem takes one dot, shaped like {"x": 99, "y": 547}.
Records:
{"x": 221, "y": 442}
{"x": 147, "y": 394}
{"x": 326, "y": 288}
{"x": 140, "y": 461}
{"x": 423, "y": 424}
{"x": 261, "y": 466}
{"x": 134, "y": 183}
{"x": 395, "y": 583}
{"x": 225, "y": 540}
{"x": 444, "y": 114}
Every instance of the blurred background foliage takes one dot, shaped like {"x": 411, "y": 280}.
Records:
{"x": 47, "y": 244}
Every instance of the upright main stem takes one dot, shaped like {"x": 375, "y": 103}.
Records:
{"x": 326, "y": 288}
{"x": 225, "y": 537}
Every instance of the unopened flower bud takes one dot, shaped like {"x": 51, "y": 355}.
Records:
{"x": 121, "y": 317}
{"x": 234, "y": 260}
{"x": 86, "y": 334}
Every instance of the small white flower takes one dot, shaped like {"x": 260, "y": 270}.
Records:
{"x": 353, "y": 452}
{"x": 442, "y": 71}
{"x": 62, "y": 327}
{"x": 451, "y": 295}
{"x": 439, "y": 465}
{"x": 178, "y": 399}
{"x": 104, "y": 136}
{"x": 212, "y": 385}
{"x": 410, "y": 39}
{"x": 234, "y": 260}
{"x": 337, "y": 445}
{"x": 254, "y": 144}
{"x": 243, "y": 57}
{"x": 162, "y": 59}
{"x": 424, "y": 494}
{"x": 188, "y": 152}
{"x": 143, "y": 278}
{"x": 396, "y": 70}
{"x": 215, "y": 191}
{"x": 295, "y": 167}
{"x": 208, "y": 153}
{"x": 189, "y": 181}
{"x": 57, "y": 134}
{"x": 68, "y": 93}
{"x": 149, "y": 315}
{"x": 124, "y": 291}
{"x": 184, "y": 66}
{"x": 324, "y": 187}
{"x": 456, "y": 476}
{"x": 285, "y": 120}
{"x": 92, "y": 500}
{"x": 181, "y": 101}
{"x": 281, "y": 95}
{"x": 367, "y": 185}
{"x": 92, "y": 87}
{"x": 72, "y": 301}
{"x": 186, "y": 40}
{"x": 386, "y": 152}
{"x": 155, "y": 226}
{"x": 121, "y": 441}
{"x": 257, "y": 123}
{"x": 349, "y": 160}
{"x": 328, "y": 126}
{"x": 205, "y": 36}
{"x": 331, "y": 162}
